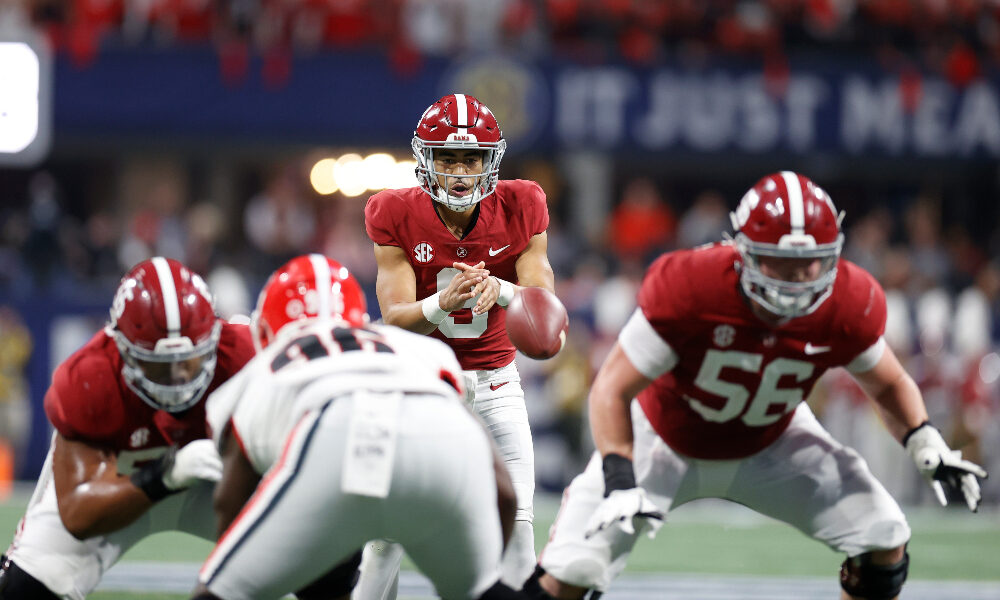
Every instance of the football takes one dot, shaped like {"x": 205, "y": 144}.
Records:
{"x": 537, "y": 323}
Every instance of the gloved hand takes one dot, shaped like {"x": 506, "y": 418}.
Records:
{"x": 197, "y": 460}
{"x": 943, "y": 467}
{"x": 624, "y": 501}
{"x": 630, "y": 510}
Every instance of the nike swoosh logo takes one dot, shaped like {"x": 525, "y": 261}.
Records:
{"x": 497, "y": 386}
{"x": 498, "y": 251}
{"x": 810, "y": 349}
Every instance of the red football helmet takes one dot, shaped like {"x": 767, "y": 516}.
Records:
{"x": 458, "y": 122}
{"x": 164, "y": 324}
{"x": 787, "y": 215}
{"x": 307, "y": 287}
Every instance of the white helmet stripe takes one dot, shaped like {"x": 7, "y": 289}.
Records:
{"x": 796, "y": 208}
{"x": 321, "y": 269}
{"x": 462, "y": 108}
{"x": 169, "y": 293}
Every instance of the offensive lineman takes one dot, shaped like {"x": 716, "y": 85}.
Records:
{"x": 128, "y": 457}
{"x": 449, "y": 253}
{"x": 362, "y": 434}
{"x": 727, "y": 341}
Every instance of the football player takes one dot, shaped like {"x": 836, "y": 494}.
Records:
{"x": 451, "y": 254}
{"x": 702, "y": 397}
{"x": 362, "y": 433}
{"x": 129, "y": 456}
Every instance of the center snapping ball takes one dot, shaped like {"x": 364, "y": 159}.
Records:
{"x": 537, "y": 323}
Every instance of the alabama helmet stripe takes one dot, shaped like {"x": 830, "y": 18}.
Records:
{"x": 169, "y": 292}
{"x": 796, "y": 208}
{"x": 462, "y": 108}
{"x": 321, "y": 270}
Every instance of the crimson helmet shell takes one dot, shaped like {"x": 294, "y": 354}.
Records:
{"x": 458, "y": 122}
{"x": 786, "y": 215}
{"x": 307, "y": 287}
{"x": 164, "y": 313}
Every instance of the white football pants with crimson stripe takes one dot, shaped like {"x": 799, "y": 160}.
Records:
{"x": 805, "y": 478}
{"x": 441, "y": 506}
{"x": 499, "y": 401}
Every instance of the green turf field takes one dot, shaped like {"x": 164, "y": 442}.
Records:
{"x": 719, "y": 538}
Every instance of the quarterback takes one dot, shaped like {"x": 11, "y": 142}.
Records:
{"x": 451, "y": 254}
{"x": 129, "y": 456}
{"x": 360, "y": 432}
{"x": 702, "y": 397}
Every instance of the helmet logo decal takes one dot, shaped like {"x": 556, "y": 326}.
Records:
{"x": 124, "y": 294}
{"x": 423, "y": 252}
{"x": 724, "y": 335}
{"x": 169, "y": 292}
{"x": 295, "y": 308}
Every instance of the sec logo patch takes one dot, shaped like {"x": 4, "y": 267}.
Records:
{"x": 724, "y": 335}
{"x": 423, "y": 252}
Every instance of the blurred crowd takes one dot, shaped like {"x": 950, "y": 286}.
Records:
{"x": 956, "y": 38}
{"x": 943, "y": 286}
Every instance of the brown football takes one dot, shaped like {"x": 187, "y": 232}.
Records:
{"x": 537, "y": 323}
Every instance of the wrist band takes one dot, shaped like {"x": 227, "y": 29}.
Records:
{"x": 618, "y": 474}
{"x": 431, "y": 307}
{"x": 506, "y": 292}
{"x": 909, "y": 433}
{"x": 149, "y": 479}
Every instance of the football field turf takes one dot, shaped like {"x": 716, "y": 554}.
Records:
{"x": 704, "y": 546}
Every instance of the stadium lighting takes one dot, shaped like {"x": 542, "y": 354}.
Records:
{"x": 349, "y": 175}
{"x": 403, "y": 175}
{"x": 321, "y": 176}
{"x": 377, "y": 170}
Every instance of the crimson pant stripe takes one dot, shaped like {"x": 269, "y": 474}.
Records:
{"x": 233, "y": 545}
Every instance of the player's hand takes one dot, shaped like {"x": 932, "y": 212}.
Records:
{"x": 462, "y": 286}
{"x": 197, "y": 460}
{"x": 488, "y": 291}
{"x": 630, "y": 510}
{"x": 943, "y": 467}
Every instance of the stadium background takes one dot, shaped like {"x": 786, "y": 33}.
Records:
{"x": 233, "y": 135}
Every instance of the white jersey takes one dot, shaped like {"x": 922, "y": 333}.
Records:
{"x": 312, "y": 363}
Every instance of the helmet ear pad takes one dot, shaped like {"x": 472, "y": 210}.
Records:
{"x": 786, "y": 215}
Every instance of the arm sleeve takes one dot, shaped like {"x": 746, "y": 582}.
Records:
{"x": 379, "y": 220}
{"x": 645, "y": 349}
{"x": 867, "y": 360}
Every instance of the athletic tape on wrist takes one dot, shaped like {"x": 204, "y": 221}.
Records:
{"x": 506, "y": 292}
{"x": 618, "y": 474}
{"x": 431, "y": 307}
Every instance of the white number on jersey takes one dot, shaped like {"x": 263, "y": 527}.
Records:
{"x": 466, "y": 325}
{"x": 344, "y": 339}
{"x": 736, "y": 395}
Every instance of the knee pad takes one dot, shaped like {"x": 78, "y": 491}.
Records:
{"x": 860, "y": 578}
{"x": 337, "y": 582}
{"x": 533, "y": 589}
{"x": 17, "y": 584}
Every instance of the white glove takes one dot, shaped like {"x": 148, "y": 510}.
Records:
{"x": 629, "y": 509}
{"x": 941, "y": 466}
{"x": 197, "y": 460}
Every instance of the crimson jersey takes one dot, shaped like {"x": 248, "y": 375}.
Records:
{"x": 737, "y": 380}
{"x": 507, "y": 220}
{"x": 89, "y": 400}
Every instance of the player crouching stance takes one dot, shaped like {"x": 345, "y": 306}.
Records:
{"x": 362, "y": 434}
{"x": 727, "y": 341}
{"x": 129, "y": 456}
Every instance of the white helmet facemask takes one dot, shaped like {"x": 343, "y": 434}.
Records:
{"x": 484, "y": 183}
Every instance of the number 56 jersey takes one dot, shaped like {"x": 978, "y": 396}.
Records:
{"x": 726, "y": 384}
{"x": 506, "y": 221}
{"x": 310, "y": 364}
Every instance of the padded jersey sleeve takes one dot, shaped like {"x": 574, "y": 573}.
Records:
{"x": 664, "y": 297}
{"x": 235, "y": 348}
{"x": 863, "y": 314}
{"x": 538, "y": 208}
{"x": 84, "y": 401}
{"x": 380, "y": 218}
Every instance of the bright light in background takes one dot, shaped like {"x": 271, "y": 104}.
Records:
{"x": 376, "y": 169}
{"x": 321, "y": 176}
{"x": 352, "y": 175}
{"x": 19, "y": 72}
{"x": 349, "y": 175}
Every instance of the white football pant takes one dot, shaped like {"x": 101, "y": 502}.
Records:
{"x": 805, "y": 478}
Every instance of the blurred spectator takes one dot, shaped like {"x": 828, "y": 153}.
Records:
{"x": 642, "y": 224}
{"x": 704, "y": 222}
{"x": 278, "y": 222}
{"x": 15, "y": 408}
